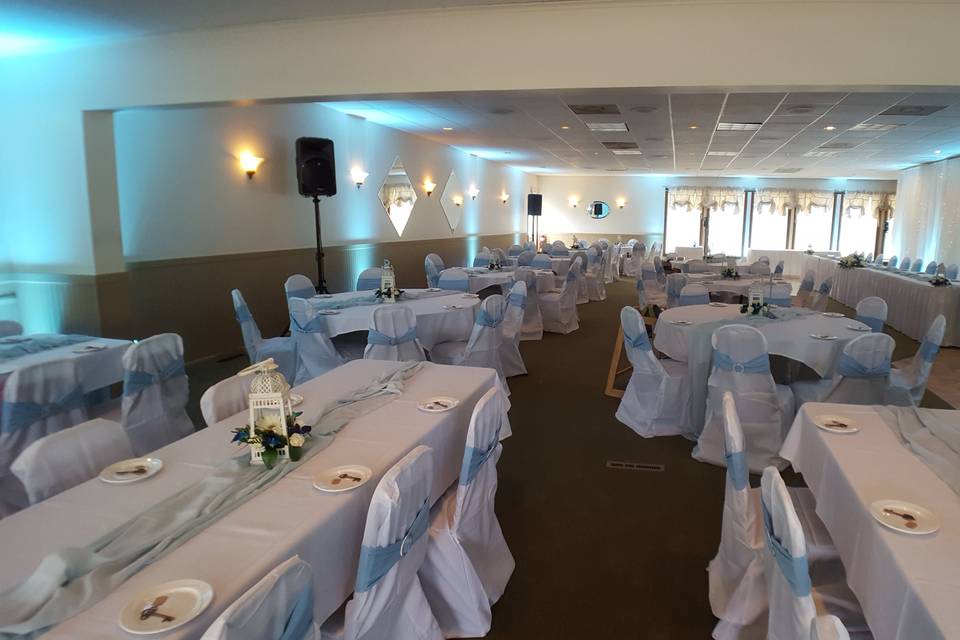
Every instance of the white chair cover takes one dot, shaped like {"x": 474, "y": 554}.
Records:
{"x": 483, "y": 347}
{"x": 913, "y": 377}
{"x": 610, "y": 258}
{"x": 694, "y": 294}
{"x": 66, "y": 458}
{"x": 828, "y": 628}
{"x": 892, "y": 263}
{"x": 10, "y": 328}
{"x": 661, "y": 273}
{"x": 532, "y": 320}
{"x": 37, "y": 400}
{"x": 541, "y": 261}
{"x": 862, "y": 375}
{"x": 393, "y": 335}
{"x": 454, "y": 280}
{"x": 778, "y": 270}
{"x": 741, "y": 365}
{"x": 299, "y": 286}
{"x": 656, "y": 400}
{"x": 952, "y": 271}
{"x": 526, "y": 258}
{"x": 482, "y": 259}
{"x": 510, "y": 356}
{"x": 583, "y": 293}
{"x": 806, "y": 289}
{"x": 559, "y": 309}
{"x": 282, "y": 350}
{"x": 224, "y": 399}
{"x": 369, "y": 279}
{"x": 500, "y": 254}
{"x": 279, "y": 606}
{"x": 514, "y": 250}
{"x": 675, "y": 284}
{"x": 315, "y": 351}
{"x": 468, "y": 563}
{"x": 872, "y": 311}
{"x": 432, "y": 270}
{"x": 765, "y": 260}
{"x": 634, "y": 264}
{"x": 931, "y": 267}
{"x": 778, "y": 294}
{"x": 155, "y": 393}
{"x": 905, "y": 265}
{"x": 596, "y": 264}
{"x": 388, "y": 601}
{"x": 917, "y": 266}
{"x": 818, "y": 301}
{"x": 760, "y": 268}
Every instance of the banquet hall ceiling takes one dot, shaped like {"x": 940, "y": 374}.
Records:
{"x": 789, "y": 134}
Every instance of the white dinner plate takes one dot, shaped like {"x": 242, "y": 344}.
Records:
{"x": 182, "y": 600}
{"x": 127, "y": 471}
{"x": 832, "y": 314}
{"x": 342, "y": 478}
{"x": 295, "y": 399}
{"x": 14, "y": 339}
{"x": 905, "y": 517}
{"x": 858, "y": 327}
{"x": 822, "y": 336}
{"x": 717, "y": 304}
{"x": 328, "y": 312}
{"x": 434, "y": 289}
{"x": 452, "y": 306}
{"x": 836, "y": 424}
{"x": 437, "y": 404}
{"x": 682, "y": 323}
{"x": 90, "y": 348}
{"x": 324, "y": 295}
{"x": 470, "y": 295}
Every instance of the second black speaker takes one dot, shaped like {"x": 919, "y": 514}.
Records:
{"x": 534, "y": 204}
{"x": 316, "y": 169}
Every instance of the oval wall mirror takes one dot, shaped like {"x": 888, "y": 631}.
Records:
{"x": 597, "y": 209}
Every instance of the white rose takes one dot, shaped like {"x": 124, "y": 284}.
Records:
{"x": 296, "y": 440}
{"x": 269, "y": 422}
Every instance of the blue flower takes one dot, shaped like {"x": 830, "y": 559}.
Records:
{"x": 240, "y": 435}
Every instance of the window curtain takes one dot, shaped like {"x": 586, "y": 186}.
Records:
{"x": 772, "y": 201}
{"x": 725, "y": 199}
{"x": 685, "y": 198}
{"x": 809, "y": 200}
{"x": 928, "y": 213}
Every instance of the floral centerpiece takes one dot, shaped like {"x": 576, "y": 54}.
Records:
{"x": 810, "y": 250}
{"x": 853, "y": 261}
{"x": 495, "y": 263}
{"x": 267, "y": 434}
{"x": 940, "y": 280}
{"x": 729, "y": 273}
{"x": 755, "y": 308}
{"x": 390, "y": 293}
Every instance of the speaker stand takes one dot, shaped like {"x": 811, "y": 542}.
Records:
{"x": 321, "y": 281}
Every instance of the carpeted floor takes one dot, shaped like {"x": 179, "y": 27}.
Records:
{"x": 601, "y": 552}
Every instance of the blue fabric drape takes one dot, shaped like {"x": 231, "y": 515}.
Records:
{"x": 875, "y": 324}
{"x": 484, "y": 319}
{"x": 306, "y": 293}
{"x": 376, "y": 562}
{"x": 929, "y": 350}
{"x": 243, "y": 314}
{"x": 759, "y": 364}
{"x": 737, "y": 469}
{"x": 699, "y": 298}
{"x": 300, "y": 622}
{"x": 795, "y": 570}
{"x": 136, "y": 381}
{"x": 517, "y": 300}
{"x": 824, "y": 288}
{"x": 20, "y": 415}
{"x": 375, "y": 337}
{"x": 806, "y": 285}
{"x": 849, "y": 367}
{"x": 317, "y": 324}
{"x": 474, "y": 459}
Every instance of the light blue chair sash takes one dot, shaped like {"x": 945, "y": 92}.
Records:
{"x": 474, "y": 459}
{"x": 560, "y": 253}
{"x": 571, "y": 275}
{"x": 824, "y": 288}
{"x": 905, "y": 265}
{"x": 484, "y": 319}
{"x": 455, "y": 284}
{"x": 20, "y": 415}
{"x": 317, "y": 324}
{"x": 931, "y": 268}
{"x": 953, "y": 271}
{"x": 875, "y": 324}
{"x": 433, "y": 275}
{"x": 481, "y": 260}
{"x": 806, "y": 285}
{"x": 892, "y": 264}
{"x": 849, "y": 367}
{"x": 300, "y": 621}
{"x": 364, "y": 284}
{"x": 795, "y": 570}
{"x": 780, "y": 302}
{"x": 737, "y": 470}
{"x": 517, "y": 300}
{"x": 375, "y": 337}
{"x": 699, "y": 298}
{"x": 759, "y": 364}
{"x": 136, "y": 381}
{"x": 917, "y": 266}
{"x": 640, "y": 341}
{"x": 376, "y": 562}
{"x": 513, "y": 252}
{"x": 929, "y": 350}
{"x": 243, "y": 314}
{"x": 640, "y": 285}
{"x": 778, "y": 270}
{"x": 306, "y": 293}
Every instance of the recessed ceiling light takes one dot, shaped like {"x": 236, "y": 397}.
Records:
{"x": 738, "y": 126}
{"x": 627, "y": 152}
{"x": 596, "y": 153}
{"x": 608, "y": 126}
{"x": 829, "y": 127}
{"x": 722, "y": 153}
{"x": 448, "y": 128}
{"x": 693, "y": 126}
{"x": 564, "y": 126}
{"x": 937, "y": 151}
{"x": 873, "y": 126}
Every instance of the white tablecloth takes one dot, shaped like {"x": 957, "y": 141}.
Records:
{"x": 822, "y": 268}
{"x": 912, "y": 301}
{"x": 908, "y": 586}
{"x": 434, "y": 323}
{"x": 479, "y": 281}
{"x": 794, "y": 260}
{"x": 291, "y": 517}
{"x": 715, "y": 283}
{"x": 96, "y": 369}
{"x": 689, "y": 253}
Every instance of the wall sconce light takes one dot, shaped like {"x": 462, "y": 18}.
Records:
{"x": 458, "y": 200}
{"x": 249, "y": 163}
{"x": 429, "y": 186}
{"x": 573, "y": 201}
{"x": 473, "y": 192}
{"x": 504, "y": 197}
{"x": 358, "y": 176}
{"x": 621, "y": 203}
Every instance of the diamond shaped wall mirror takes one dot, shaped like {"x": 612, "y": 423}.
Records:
{"x": 452, "y": 201}
{"x": 398, "y": 196}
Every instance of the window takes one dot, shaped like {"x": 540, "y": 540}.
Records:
{"x": 726, "y": 228}
{"x": 768, "y": 227}
{"x": 814, "y": 221}
{"x": 683, "y": 226}
{"x": 858, "y": 224}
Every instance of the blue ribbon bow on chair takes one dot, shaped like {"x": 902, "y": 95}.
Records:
{"x": 137, "y": 381}
{"x": 795, "y": 570}
{"x": 376, "y": 562}
{"x": 929, "y": 350}
{"x": 849, "y": 367}
{"x": 20, "y": 415}
{"x": 375, "y": 337}
{"x": 483, "y": 318}
{"x": 474, "y": 459}
{"x": 759, "y": 364}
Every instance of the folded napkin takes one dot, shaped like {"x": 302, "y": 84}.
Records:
{"x": 933, "y": 440}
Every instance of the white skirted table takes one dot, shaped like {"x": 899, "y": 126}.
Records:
{"x": 715, "y": 283}
{"x": 480, "y": 279}
{"x": 908, "y": 586}
{"x": 290, "y": 517}
{"x": 794, "y": 260}
{"x": 98, "y": 360}
{"x": 689, "y": 253}
{"x": 822, "y": 268}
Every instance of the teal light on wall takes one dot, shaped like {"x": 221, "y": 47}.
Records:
{"x": 358, "y": 258}
{"x": 473, "y": 247}
{"x": 13, "y": 44}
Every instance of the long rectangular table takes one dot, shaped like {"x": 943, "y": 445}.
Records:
{"x": 822, "y": 268}
{"x": 793, "y": 259}
{"x": 95, "y": 369}
{"x": 291, "y": 517}
{"x": 908, "y": 586}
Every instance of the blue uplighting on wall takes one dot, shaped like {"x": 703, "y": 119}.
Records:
{"x": 358, "y": 258}
{"x": 15, "y": 44}
{"x": 473, "y": 244}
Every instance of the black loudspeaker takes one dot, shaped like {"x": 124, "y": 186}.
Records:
{"x": 316, "y": 170}
{"x": 534, "y": 204}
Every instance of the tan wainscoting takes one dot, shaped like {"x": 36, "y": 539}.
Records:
{"x": 57, "y": 303}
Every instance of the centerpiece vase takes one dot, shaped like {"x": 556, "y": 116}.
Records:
{"x": 269, "y": 457}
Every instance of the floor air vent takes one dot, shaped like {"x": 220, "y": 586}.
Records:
{"x": 634, "y": 466}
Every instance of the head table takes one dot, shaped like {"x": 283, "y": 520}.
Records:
{"x": 908, "y": 586}
{"x": 290, "y": 517}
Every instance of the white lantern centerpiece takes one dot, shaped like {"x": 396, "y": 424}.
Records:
{"x": 269, "y": 400}
{"x": 388, "y": 284}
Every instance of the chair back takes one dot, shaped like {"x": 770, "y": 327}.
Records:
{"x": 642, "y": 248}
{"x": 778, "y": 270}
{"x": 432, "y": 271}
{"x": 526, "y": 258}
{"x": 299, "y": 286}
{"x": 778, "y": 294}
{"x": 248, "y": 326}
{"x": 10, "y": 328}
{"x": 818, "y": 301}
{"x": 872, "y": 311}
{"x": 892, "y": 263}
{"x": 828, "y": 627}
{"x": 369, "y": 279}
{"x": 917, "y": 266}
{"x": 863, "y": 371}
{"x": 279, "y": 606}
{"x": 641, "y": 292}
{"x": 514, "y": 250}
{"x": 760, "y": 268}
{"x": 393, "y": 548}
{"x": 540, "y": 261}
{"x": 952, "y": 271}
{"x": 483, "y": 347}
{"x": 648, "y": 379}
{"x": 697, "y": 266}
{"x": 516, "y": 303}
{"x": 454, "y": 280}
{"x": 315, "y": 351}
{"x": 66, "y": 458}
{"x": 393, "y": 335}
{"x": 923, "y": 359}
{"x": 905, "y": 265}
{"x": 569, "y": 292}
{"x": 155, "y": 393}
{"x": 692, "y": 294}
{"x": 765, "y": 260}
{"x": 791, "y": 607}
{"x": 808, "y": 281}
{"x": 532, "y": 328}
{"x": 648, "y": 272}
{"x": 878, "y": 261}
{"x": 632, "y": 242}
{"x": 224, "y": 399}
{"x": 481, "y": 259}
{"x": 931, "y": 267}
{"x": 675, "y": 284}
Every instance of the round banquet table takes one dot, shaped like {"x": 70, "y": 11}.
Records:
{"x": 714, "y": 283}
{"x": 435, "y": 324}
{"x": 483, "y": 278}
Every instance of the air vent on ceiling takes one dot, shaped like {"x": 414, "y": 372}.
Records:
{"x": 653, "y": 139}
{"x": 820, "y": 154}
{"x": 619, "y": 145}
{"x": 760, "y": 138}
{"x": 620, "y": 169}
{"x": 594, "y": 109}
{"x": 738, "y": 126}
{"x": 723, "y": 153}
{"x": 873, "y": 126}
{"x": 627, "y": 152}
{"x": 613, "y": 127}
{"x": 838, "y": 145}
{"x": 643, "y": 108}
{"x": 800, "y": 109}
{"x": 501, "y": 111}
{"x": 788, "y": 170}
{"x": 911, "y": 110}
